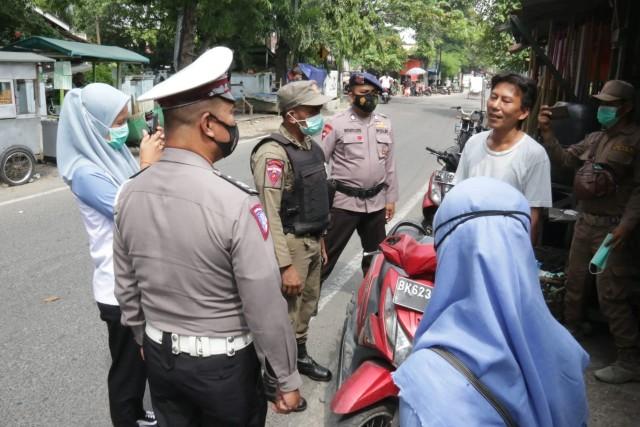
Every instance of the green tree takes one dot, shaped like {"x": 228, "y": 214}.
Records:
{"x": 18, "y": 20}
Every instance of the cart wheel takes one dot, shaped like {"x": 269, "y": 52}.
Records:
{"x": 17, "y": 165}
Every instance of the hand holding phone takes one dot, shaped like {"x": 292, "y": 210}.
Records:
{"x": 559, "y": 111}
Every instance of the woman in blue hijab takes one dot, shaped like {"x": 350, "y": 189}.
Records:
{"x": 94, "y": 162}
{"x": 488, "y": 311}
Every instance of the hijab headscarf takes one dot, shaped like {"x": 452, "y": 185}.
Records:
{"x": 87, "y": 114}
{"x": 487, "y": 308}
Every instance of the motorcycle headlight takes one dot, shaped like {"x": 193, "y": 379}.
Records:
{"x": 397, "y": 339}
{"x": 402, "y": 348}
{"x": 436, "y": 196}
{"x": 390, "y": 318}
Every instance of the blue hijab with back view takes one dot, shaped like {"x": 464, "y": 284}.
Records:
{"x": 488, "y": 310}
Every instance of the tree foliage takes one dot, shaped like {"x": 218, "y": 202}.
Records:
{"x": 362, "y": 31}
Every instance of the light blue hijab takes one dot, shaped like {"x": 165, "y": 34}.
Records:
{"x": 87, "y": 114}
{"x": 488, "y": 309}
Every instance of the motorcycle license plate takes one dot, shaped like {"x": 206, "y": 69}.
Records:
{"x": 412, "y": 294}
{"x": 444, "y": 177}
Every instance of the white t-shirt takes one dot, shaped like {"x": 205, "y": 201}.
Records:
{"x": 525, "y": 166}
{"x": 385, "y": 82}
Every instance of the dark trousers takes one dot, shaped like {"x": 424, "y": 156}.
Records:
{"x": 127, "y": 375}
{"x": 212, "y": 391}
{"x": 370, "y": 227}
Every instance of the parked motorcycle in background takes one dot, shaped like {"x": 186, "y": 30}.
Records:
{"x": 381, "y": 322}
{"x": 470, "y": 123}
{"x": 440, "y": 182}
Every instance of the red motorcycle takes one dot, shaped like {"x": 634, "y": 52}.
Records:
{"x": 440, "y": 182}
{"x": 381, "y": 322}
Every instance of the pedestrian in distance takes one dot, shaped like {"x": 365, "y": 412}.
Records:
{"x": 289, "y": 173}
{"x": 94, "y": 162}
{"x": 196, "y": 274}
{"x": 488, "y": 352}
{"x": 609, "y": 210}
{"x": 358, "y": 145}
{"x": 505, "y": 151}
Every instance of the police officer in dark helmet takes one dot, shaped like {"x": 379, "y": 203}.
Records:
{"x": 359, "y": 147}
{"x": 288, "y": 169}
{"x": 196, "y": 274}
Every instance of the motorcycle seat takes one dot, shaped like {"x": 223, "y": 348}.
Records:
{"x": 415, "y": 258}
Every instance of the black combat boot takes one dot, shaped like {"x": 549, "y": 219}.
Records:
{"x": 309, "y": 367}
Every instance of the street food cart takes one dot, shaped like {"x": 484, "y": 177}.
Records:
{"x": 22, "y": 107}
{"x": 70, "y": 54}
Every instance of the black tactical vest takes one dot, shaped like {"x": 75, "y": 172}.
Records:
{"x": 305, "y": 208}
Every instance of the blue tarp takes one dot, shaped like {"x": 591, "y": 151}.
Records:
{"x": 314, "y": 73}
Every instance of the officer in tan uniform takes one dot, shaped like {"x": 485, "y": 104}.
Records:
{"x": 617, "y": 147}
{"x": 359, "y": 147}
{"x": 196, "y": 276}
{"x": 289, "y": 173}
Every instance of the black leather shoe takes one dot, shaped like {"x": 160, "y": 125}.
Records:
{"x": 302, "y": 405}
{"x": 309, "y": 367}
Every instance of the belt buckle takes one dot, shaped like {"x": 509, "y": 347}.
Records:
{"x": 199, "y": 350}
{"x": 231, "y": 350}
{"x": 175, "y": 344}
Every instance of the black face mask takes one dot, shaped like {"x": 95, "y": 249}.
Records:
{"x": 366, "y": 103}
{"x": 227, "y": 147}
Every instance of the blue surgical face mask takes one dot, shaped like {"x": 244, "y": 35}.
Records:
{"x": 601, "y": 257}
{"x": 314, "y": 124}
{"x": 607, "y": 116}
{"x": 118, "y": 136}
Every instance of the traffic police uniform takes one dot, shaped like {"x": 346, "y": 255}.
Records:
{"x": 197, "y": 278}
{"x": 620, "y": 151}
{"x": 291, "y": 179}
{"x": 360, "y": 152}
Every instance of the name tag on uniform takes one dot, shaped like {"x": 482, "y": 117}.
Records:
{"x": 624, "y": 148}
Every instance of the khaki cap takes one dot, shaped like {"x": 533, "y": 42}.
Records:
{"x": 298, "y": 93}
{"x": 616, "y": 90}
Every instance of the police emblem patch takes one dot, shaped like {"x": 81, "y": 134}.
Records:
{"x": 261, "y": 219}
{"x": 273, "y": 173}
{"x": 326, "y": 130}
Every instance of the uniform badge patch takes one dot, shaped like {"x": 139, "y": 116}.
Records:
{"x": 326, "y": 130}
{"x": 273, "y": 173}
{"x": 261, "y": 219}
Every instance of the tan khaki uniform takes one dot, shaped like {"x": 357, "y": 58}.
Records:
{"x": 621, "y": 152}
{"x": 272, "y": 174}
{"x": 193, "y": 255}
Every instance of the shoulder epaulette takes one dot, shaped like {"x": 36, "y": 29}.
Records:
{"x": 241, "y": 185}
{"x": 139, "y": 172}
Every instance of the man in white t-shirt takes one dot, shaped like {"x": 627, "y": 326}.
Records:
{"x": 507, "y": 153}
{"x": 385, "y": 82}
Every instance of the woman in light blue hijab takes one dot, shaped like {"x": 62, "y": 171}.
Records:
{"x": 94, "y": 162}
{"x": 489, "y": 312}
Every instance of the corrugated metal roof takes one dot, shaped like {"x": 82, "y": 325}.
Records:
{"x": 23, "y": 57}
{"x": 75, "y": 50}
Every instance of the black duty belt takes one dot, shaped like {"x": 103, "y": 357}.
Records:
{"x": 361, "y": 193}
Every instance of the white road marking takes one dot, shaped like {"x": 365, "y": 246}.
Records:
{"x": 33, "y": 196}
{"x": 332, "y": 286}
{"x": 58, "y": 189}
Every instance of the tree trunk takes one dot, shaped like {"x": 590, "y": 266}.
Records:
{"x": 187, "y": 52}
{"x": 281, "y": 61}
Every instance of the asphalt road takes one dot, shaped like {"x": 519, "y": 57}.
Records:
{"x": 54, "y": 347}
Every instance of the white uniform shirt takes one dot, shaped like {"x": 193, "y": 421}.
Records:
{"x": 95, "y": 192}
{"x": 525, "y": 166}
